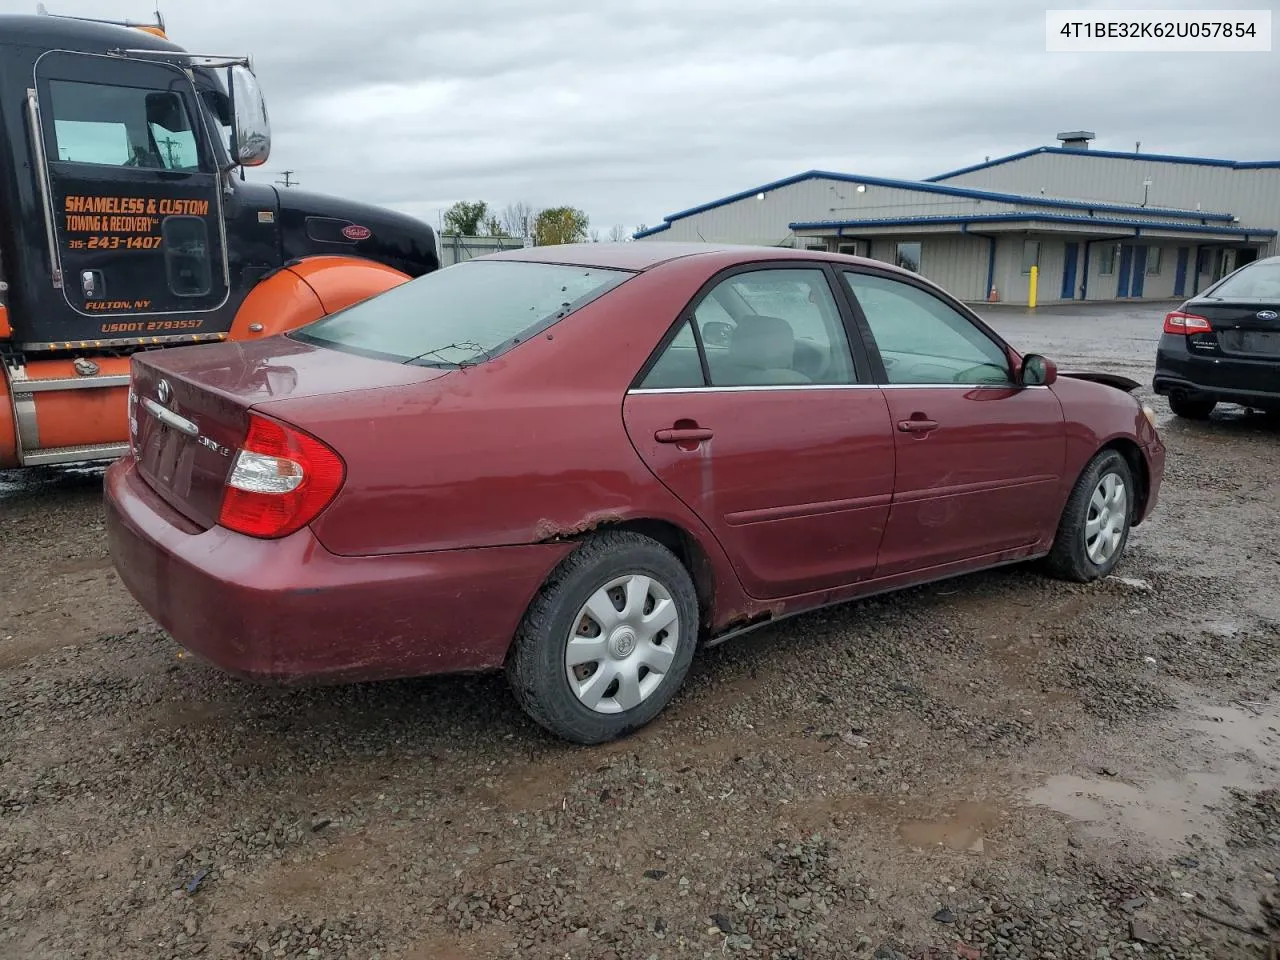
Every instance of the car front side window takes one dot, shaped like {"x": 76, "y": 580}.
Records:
{"x": 923, "y": 340}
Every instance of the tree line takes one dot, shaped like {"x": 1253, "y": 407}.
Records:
{"x": 546, "y": 226}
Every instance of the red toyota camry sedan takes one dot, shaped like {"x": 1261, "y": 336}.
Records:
{"x": 581, "y": 463}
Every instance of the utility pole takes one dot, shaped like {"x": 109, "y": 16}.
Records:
{"x": 286, "y": 182}
{"x": 169, "y": 144}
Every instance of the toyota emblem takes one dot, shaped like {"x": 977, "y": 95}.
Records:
{"x": 1267, "y": 314}
{"x": 164, "y": 392}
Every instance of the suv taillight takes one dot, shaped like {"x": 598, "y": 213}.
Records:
{"x": 1185, "y": 323}
{"x": 281, "y": 480}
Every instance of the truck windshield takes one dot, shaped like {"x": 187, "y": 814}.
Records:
{"x": 463, "y": 314}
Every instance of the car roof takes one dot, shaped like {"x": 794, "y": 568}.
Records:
{"x": 644, "y": 254}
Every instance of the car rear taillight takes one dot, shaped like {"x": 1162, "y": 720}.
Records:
{"x": 281, "y": 480}
{"x": 1185, "y": 323}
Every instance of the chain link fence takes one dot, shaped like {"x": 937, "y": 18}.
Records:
{"x": 455, "y": 248}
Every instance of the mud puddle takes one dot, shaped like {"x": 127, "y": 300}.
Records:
{"x": 1185, "y": 791}
{"x": 964, "y": 830}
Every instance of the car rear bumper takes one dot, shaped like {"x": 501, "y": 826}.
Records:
{"x": 1214, "y": 376}
{"x": 289, "y": 610}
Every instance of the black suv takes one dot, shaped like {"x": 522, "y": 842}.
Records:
{"x": 1223, "y": 345}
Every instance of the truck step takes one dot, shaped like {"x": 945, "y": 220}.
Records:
{"x": 20, "y": 384}
{"x": 82, "y": 454}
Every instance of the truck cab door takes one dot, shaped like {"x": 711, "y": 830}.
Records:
{"x": 132, "y": 196}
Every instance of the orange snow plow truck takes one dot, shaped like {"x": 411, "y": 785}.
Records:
{"x": 126, "y": 224}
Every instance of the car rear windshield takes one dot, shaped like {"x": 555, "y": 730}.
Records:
{"x": 1256, "y": 282}
{"x": 463, "y": 314}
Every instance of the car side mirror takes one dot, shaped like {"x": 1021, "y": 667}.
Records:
{"x": 716, "y": 334}
{"x": 1037, "y": 371}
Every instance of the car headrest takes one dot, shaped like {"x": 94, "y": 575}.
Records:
{"x": 765, "y": 343}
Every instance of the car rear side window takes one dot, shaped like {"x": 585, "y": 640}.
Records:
{"x": 1259, "y": 281}
{"x": 760, "y": 328}
{"x": 463, "y": 314}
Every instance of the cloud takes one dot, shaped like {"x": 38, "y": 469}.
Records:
{"x": 632, "y": 110}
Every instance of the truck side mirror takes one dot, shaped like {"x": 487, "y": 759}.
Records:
{"x": 250, "y": 122}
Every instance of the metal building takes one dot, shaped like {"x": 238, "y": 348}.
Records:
{"x": 1098, "y": 225}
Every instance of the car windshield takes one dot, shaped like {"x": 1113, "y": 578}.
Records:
{"x": 462, "y": 314}
{"x": 1256, "y": 282}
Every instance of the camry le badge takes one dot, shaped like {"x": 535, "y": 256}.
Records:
{"x": 1267, "y": 314}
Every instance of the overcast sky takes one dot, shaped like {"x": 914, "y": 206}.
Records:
{"x": 633, "y": 110}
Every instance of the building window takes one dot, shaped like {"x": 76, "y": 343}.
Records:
{"x": 1106, "y": 260}
{"x": 909, "y": 256}
{"x": 849, "y": 249}
{"x": 816, "y": 245}
{"x": 1153, "y": 261}
{"x": 1030, "y": 255}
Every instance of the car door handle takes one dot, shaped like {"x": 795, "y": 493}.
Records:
{"x": 917, "y": 426}
{"x": 683, "y": 435}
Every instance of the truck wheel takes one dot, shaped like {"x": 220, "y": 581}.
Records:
{"x": 1184, "y": 406}
{"x": 607, "y": 641}
{"x": 1094, "y": 529}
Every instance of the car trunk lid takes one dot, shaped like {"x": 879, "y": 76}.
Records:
{"x": 190, "y": 407}
{"x": 1244, "y": 328}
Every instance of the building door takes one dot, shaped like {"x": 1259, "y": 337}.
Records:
{"x": 1180, "y": 275}
{"x": 1069, "y": 271}
{"x": 1133, "y": 271}
{"x": 1139, "y": 271}
{"x": 1126, "y": 266}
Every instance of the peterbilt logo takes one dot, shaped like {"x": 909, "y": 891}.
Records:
{"x": 1267, "y": 314}
{"x": 354, "y": 231}
{"x": 164, "y": 392}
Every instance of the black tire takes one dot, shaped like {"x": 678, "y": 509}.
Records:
{"x": 1184, "y": 406}
{"x": 536, "y": 667}
{"x": 1069, "y": 558}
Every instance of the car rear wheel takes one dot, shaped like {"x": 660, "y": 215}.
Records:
{"x": 1094, "y": 529}
{"x": 1184, "y": 406}
{"x": 607, "y": 641}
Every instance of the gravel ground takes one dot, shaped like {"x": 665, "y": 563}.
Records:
{"x": 996, "y": 766}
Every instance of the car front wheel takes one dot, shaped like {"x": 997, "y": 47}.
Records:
{"x": 608, "y": 640}
{"x": 1094, "y": 528}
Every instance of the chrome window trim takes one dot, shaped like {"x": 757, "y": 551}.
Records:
{"x": 839, "y": 386}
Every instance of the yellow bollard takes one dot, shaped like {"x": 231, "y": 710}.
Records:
{"x": 1031, "y": 293}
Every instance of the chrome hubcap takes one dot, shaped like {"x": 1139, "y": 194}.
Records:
{"x": 623, "y": 644}
{"x": 1107, "y": 518}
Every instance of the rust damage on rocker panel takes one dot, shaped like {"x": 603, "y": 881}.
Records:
{"x": 549, "y": 531}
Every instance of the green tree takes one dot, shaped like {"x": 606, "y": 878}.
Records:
{"x": 560, "y": 225}
{"x": 493, "y": 226}
{"x": 465, "y": 217}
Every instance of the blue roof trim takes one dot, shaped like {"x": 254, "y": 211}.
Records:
{"x": 1032, "y": 215}
{"x": 651, "y": 231}
{"x": 1114, "y": 155}
{"x": 928, "y": 187}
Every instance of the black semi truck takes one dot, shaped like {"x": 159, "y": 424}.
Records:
{"x": 126, "y": 224}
